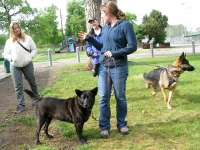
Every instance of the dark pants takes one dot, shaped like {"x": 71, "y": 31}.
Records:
{"x": 28, "y": 72}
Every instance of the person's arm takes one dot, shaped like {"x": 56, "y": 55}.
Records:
{"x": 89, "y": 50}
{"x": 84, "y": 36}
{"x": 32, "y": 47}
{"x": 7, "y": 51}
{"x": 131, "y": 42}
{"x": 94, "y": 42}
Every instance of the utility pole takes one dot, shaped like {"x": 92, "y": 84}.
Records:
{"x": 62, "y": 26}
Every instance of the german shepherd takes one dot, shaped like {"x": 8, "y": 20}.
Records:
{"x": 76, "y": 110}
{"x": 167, "y": 77}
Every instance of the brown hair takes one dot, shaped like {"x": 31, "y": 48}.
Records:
{"x": 12, "y": 34}
{"x": 112, "y": 8}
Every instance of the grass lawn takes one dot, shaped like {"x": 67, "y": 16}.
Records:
{"x": 157, "y": 128}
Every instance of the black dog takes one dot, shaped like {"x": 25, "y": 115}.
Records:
{"x": 167, "y": 77}
{"x": 75, "y": 110}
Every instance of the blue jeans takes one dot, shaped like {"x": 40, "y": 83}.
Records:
{"x": 117, "y": 77}
{"x": 28, "y": 72}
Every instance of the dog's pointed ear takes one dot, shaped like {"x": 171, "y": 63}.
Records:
{"x": 182, "y": 56}
{"x": 78, "y": 92}
{"x": 95, "y": 90}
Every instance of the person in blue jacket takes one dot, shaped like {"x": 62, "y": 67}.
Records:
{"x": 94, "y": 53}
{"x": 118, "y": 41}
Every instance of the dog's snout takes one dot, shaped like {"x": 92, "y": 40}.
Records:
{"x": 188, "y": 68}
{"x": 191, "y": 68}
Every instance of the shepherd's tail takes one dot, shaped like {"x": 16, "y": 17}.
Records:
{"x": 145, "y": 76}
{"x": 32, "y": 96}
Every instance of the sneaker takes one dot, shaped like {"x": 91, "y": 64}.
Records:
{"x": 18, "y": 110}
{"x": 104, "y": 134}
{"x": 124, "y": 130}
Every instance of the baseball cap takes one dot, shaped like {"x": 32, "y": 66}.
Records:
{"x": 92, "y": 19}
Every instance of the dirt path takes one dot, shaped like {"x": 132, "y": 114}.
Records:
{"x": 16, "y": 135}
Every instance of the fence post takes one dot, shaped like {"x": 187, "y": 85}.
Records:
{"x": 151, "y": 48}
{"x": 193, "y": 46}
{"x": 49, "y": 57}
{"x": 77, "y": 54}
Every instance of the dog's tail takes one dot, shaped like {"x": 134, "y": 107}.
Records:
{"x": 145, "y": 75}
{"x": 32, "y": 96}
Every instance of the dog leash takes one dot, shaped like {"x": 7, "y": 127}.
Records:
{"x": 108, "y": 78}
{"x": 94, "y": 117}
{"x": 108, "y": 75}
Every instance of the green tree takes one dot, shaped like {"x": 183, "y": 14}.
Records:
{"x": 154, "y": 25}
{"x": 43, "y": 28}
{"x": 75, "y": 21}
{"x": 131, "y": 17}
{"x": 139, "y": 33}
{"x": 3, "y": 39}
{"x": 12, "y": 10}
{"x": 138, "y": 29}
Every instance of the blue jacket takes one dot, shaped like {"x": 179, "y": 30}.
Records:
{"x": 91, "y": 49}
{"x": 119, "y": 39}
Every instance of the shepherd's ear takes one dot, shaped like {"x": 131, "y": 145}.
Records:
{"x": 182, "y": 56}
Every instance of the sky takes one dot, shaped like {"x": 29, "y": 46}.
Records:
{"x": 178, "y": 11}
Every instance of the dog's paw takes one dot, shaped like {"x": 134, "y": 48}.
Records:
{"x": 154, "y": 96}
{"x": 84, "y": 141}
{"x": 157, "y": 98}
{"x": 38, "y": 143}
{"x": 49, "y": 136}
{"x": 169, "y": 108}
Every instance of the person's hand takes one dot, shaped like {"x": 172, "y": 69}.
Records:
{"x": 108, "y": 53}
{"x": 82, "y": 35}
{"x": 94, "y": 54}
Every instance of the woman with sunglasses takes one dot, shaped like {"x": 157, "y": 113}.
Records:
{"x": 118, "y": 41}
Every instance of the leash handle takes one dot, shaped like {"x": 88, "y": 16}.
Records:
{"x": 108, "y": 76}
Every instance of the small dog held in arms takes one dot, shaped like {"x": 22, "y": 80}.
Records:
{"x": 76, "y": 110}
{"x": 167, "y": 77}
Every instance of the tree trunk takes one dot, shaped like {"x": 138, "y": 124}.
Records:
{"x": 92, "y": 9}
{"x": 105, "y": 1}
